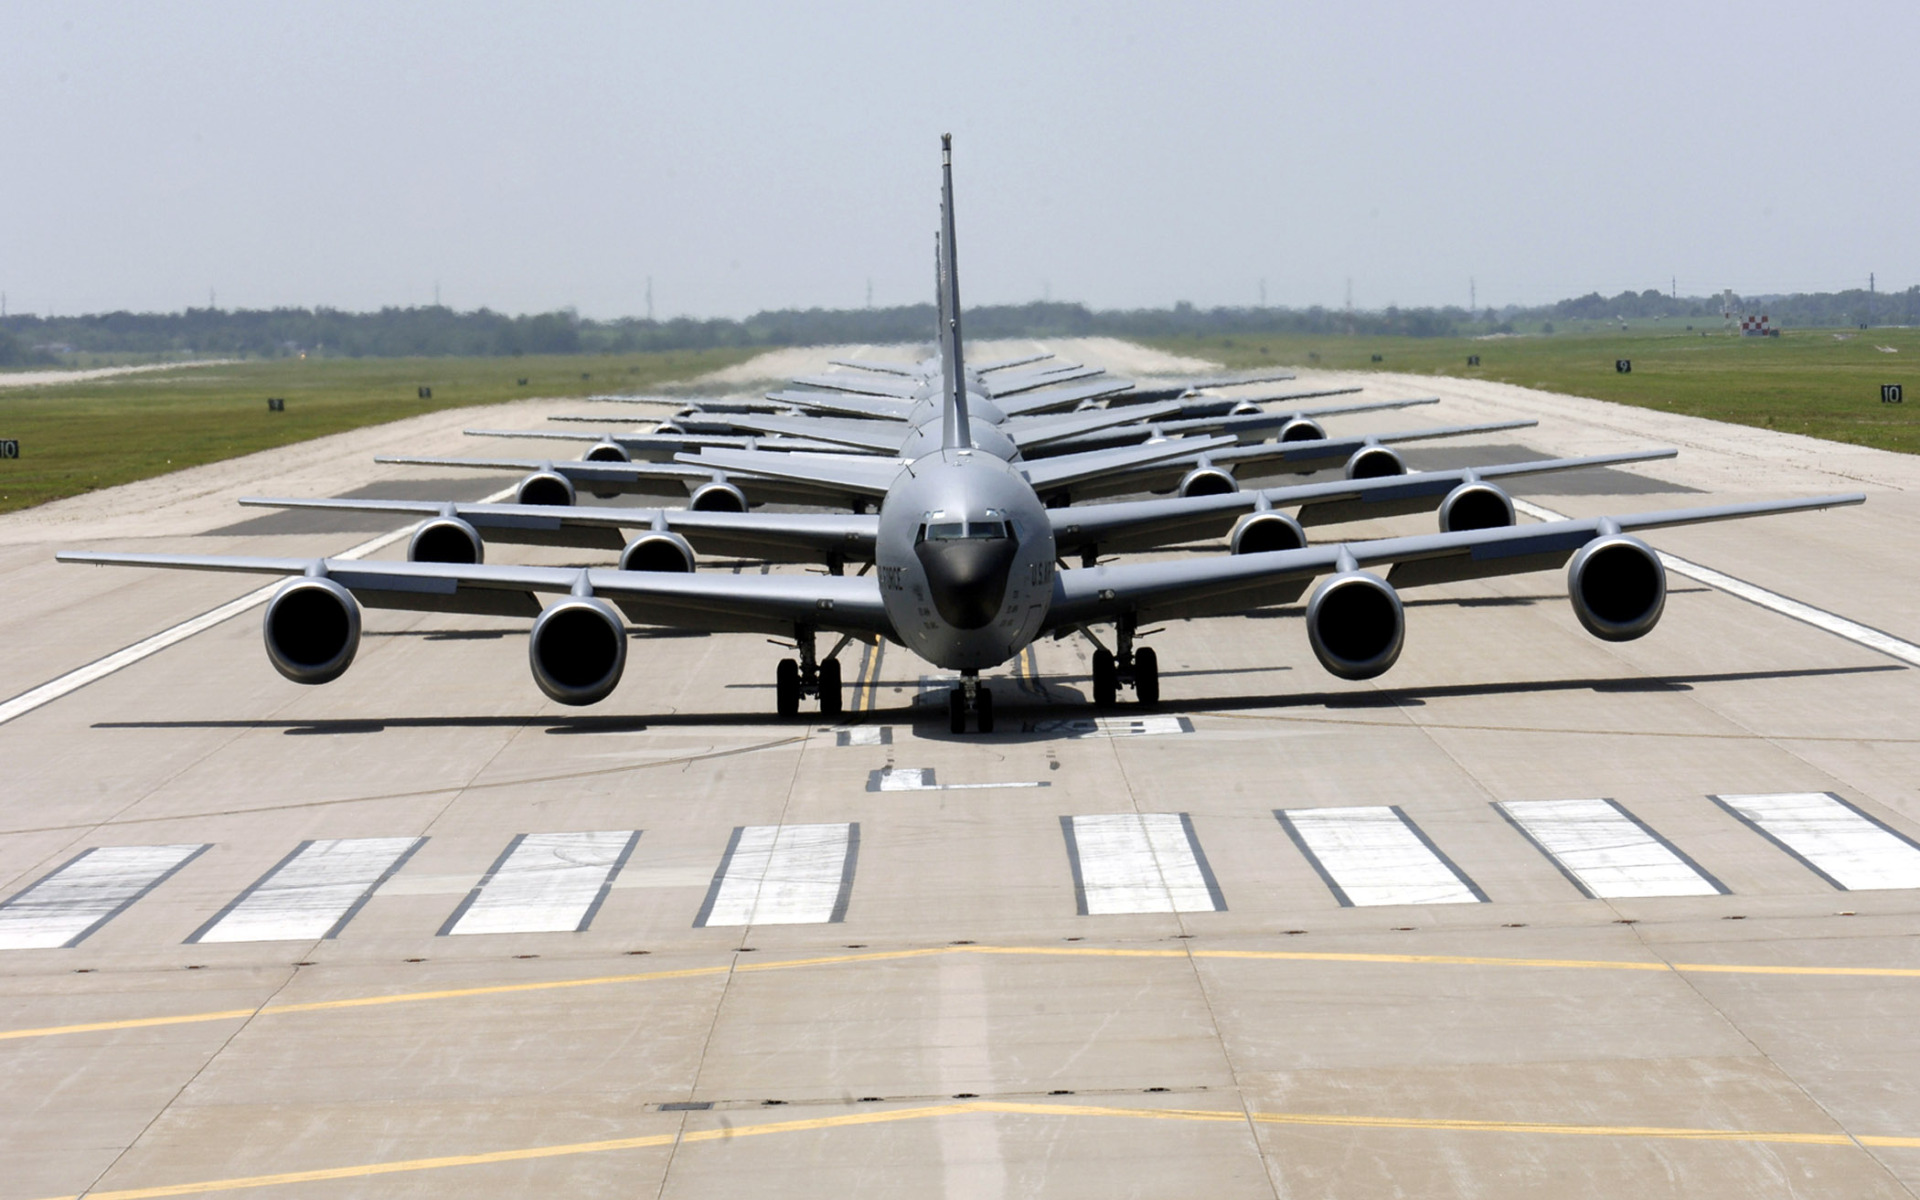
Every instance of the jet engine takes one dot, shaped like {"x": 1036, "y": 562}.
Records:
{"x": 1300, "y": 429}
{"x": 718, "y": 496}
{"x": 1245, "y": 408}
{"x": 1618, "y": 587}
{"x": 669, "y": 429}
{"x": 658, "y": 551}
{"x": 1356, "y": 625}
{"x": 545, "y": 487}
{"x": 447, "y": 540}
{"x": 312, "y": 629}
{"x": 1374, "y": 462}
{"x": 1475, "y": 506}
{"x": 578, "y": 650}
{"x": 1208, "y": 480}
{"x": 1259, "y": 532}
{"x": 607, "y": 452}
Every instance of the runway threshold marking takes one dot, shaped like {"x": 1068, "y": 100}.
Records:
{"x": 1837, "y": 841}
{"x": 544, "y": 883}
{"x": 1296, "y": 956}
{"x": 1006, "y": 1108}
{"x": 147, "y": 647}
{"x": 783, "y": 875}
{"x": 66, "y": 905}
{"x": 1373, "y": 854}
{"x": 1853, "y": 631}
{"x": 1606, "y": 851}
{"x": 311, "y": 893}
{"x": 1139, "y": 863}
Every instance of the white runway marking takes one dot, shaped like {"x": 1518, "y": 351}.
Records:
{"x": 783, "y": 875}
{"x": 312, "y": 893}
{"x": 864, "y": 735}
{"x": 1605, "y": 851}
{"x": 545, "y": 883}
{"x": 920, "y": 779}
{"x": 1111, "y": 727}
{"x": 63, "y": 907}
{"x": 1139, "y": 863}
{"x": 1819, "y": 618}
{"x": 1372, "y": 855}
{"x": 1842, "y": 845}
{"x": 100, "y": 668}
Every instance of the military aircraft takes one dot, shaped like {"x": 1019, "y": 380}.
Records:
{"x": 966, "y": 579}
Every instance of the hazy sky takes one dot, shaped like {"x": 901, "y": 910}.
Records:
{"x": 746, "y": 156}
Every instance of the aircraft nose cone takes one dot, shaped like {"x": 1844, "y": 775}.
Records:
{"x": 968, "y": 578}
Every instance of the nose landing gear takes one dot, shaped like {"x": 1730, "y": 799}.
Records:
{"x": 1135, "y": 668}
{"x": 794, "y": 681}
{"x": 972, "y": 696}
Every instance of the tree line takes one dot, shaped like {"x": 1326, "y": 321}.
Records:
{"x": 27, "y": 339}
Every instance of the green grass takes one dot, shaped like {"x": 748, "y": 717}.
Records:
{"x": 1805, "y": 381}
{"x": 76, "y": 437}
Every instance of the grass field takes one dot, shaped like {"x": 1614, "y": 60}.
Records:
{"x": 1805, "y": 381}
{"x": 76, "y": 437}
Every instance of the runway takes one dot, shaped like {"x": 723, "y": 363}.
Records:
{"x": 1532, "y": 914}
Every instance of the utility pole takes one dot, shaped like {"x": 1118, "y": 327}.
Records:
{"x": 649, "y": 297}
{"x": 1473, "y": 297}
{"x": 1673, "y": 287}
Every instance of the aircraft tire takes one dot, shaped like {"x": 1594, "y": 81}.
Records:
{"x": 956, "y": 711}
{"x": 786, "y": 687}
{"x": 983, "y": 709}
{"x": 1146, "y": 676}
{"x": 830, "y": 697}
{"x": 1106, "y": 679}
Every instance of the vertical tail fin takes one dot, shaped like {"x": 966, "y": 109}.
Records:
{"x": 955, "y": 434}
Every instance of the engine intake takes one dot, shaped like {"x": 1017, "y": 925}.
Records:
{"x": 1475, "y": 506}
{"x": 1208, "y": 481}
{"x": 1300, "y": 429}
{"x": 607, "y": 452}
{"x": 447, "y": 540}
{"x": 545, "y": 487}
{"x": 578, "y": 650}
{"x": 658, "y": 551}
{"x": 1374, "y": 462}
{"x": 1618, "y": 587}
{"x": 312, "y": 630}
{"x": 1258, "y": 533}
{"x": 1356, "y": 625}
{"x": 718, "y": 496}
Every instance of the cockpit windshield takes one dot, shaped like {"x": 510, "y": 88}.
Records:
{"x": 956, "y": 531}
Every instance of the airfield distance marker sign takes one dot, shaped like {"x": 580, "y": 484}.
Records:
{"x": 1890, "y": 393}
{"x": 9, "y": 447}
{"x": 1623, "y": 365}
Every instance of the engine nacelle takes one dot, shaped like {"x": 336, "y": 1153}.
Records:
{"x": 1260, "y": 532}
{"x": 1356, "y": 625}
{"x": 1374, "y": 462}
{"x": 578, "y": 650}
{"x": 1618, "y": 587}
{"x": 669, "y": 429}
{"x": 312, "y": 630}
{"x": 1245, "y": 408}
{"x": 1208, "y": 481}
{"x": 718, "y": 496}
{"x": 1300, "y": 429}
{"x": 447, "y": 540}
{"x": 1475, "y": 506}
{"x": 658, "y": 551}
{"x": 545, "y": 487}
{"x": 607, "y": 452}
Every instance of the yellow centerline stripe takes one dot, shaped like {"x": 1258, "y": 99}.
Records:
{"x": 1304, "y": 956}
{"x": 1003, "y": 1108}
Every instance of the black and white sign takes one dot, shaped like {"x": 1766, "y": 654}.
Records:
{"x": 426, "y": 393}
{"x": 9, "y": 447}
{"x": 1473, "y": 360}
{"x": 276, "y": 404}
{"x": 1890, "y": 393}
{"x": 1623, "y": 365}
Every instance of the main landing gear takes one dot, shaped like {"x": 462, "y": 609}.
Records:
{"x": 1135, "y": 668}
{"x": 971, "y": 696}
{"x": 794, "y": 681}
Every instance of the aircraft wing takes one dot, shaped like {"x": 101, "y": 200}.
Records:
{"x": 1147, "y": 524}
{"x": 1243, "y": 582}
{"x": 885, "y": 437}
{"x": 662, "y": 446}
{"x": 1036, "y": 431}
{"x": 910, "y": 370}
{"x": 778, "y": 537}
{"x": 1121, "y": 429}
{"x": 716, "y": 603}
{"x": 862, "y": 385}
{"x": 1069, "y": 470}
{"x": 1173, "y": 391}
{"x": 1013, "y": 385}
{"x": 853, "y": 406}
{"x": 859, "y": 474}
{"x": 1008, "y": 363}
{"x": 1063, "y": 398}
